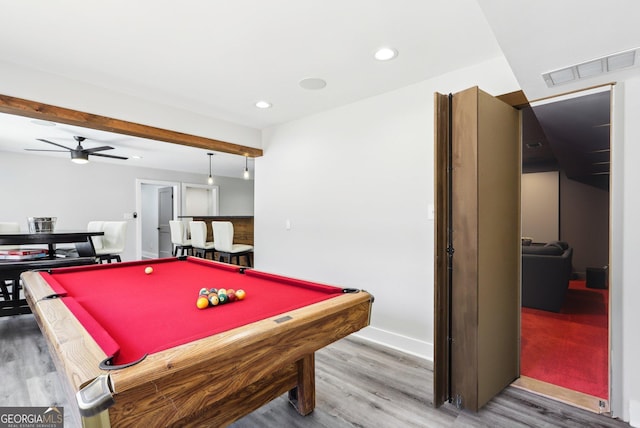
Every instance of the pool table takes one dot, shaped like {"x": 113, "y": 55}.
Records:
{"x": 133, "y": 348}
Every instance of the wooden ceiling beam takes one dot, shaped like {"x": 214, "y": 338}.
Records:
{"x": 36, "y": 110}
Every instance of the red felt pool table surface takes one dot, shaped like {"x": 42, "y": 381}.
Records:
{"x": 130, "y": 313}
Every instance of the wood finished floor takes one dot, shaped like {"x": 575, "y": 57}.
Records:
{"x": 358, "y": 384}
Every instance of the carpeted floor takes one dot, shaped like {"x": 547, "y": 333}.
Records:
{"x": 569, "y": 348}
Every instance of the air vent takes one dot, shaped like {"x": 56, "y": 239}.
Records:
{"x": 594, "y": 67}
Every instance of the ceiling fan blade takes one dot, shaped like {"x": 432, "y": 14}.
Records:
{"x": 55, "y": 144}
{"x": 97, "y": 149}
{"x": 108, "y": 156}
{"x": 44, "y": 150}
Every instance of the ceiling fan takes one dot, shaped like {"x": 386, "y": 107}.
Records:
{"x": 79, "y": 154}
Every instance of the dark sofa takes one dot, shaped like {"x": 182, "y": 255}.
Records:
{"x": 546, "y": 271}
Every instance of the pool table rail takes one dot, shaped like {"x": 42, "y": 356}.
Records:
{"x": 73, "y": 349}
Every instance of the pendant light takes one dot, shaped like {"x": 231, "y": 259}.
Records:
{"x": 245, "y": 175}
{"x": 210, "y": 179}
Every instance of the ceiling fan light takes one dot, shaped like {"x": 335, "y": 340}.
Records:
{"x": 79, "y": 158}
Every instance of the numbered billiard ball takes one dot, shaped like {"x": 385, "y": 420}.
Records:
{"x": 213, "y": 299}
{"x": 202, "y": 302}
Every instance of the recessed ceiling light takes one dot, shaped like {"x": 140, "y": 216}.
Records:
{"x": 263, "y": 104}
{"x": 385, "y": 54}
{"x": 136, "y": 157}
{"x": 312, "y": 83}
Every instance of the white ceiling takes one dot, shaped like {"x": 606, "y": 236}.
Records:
{"x": 545, "y": 35}
{"x": 218, "y": 57}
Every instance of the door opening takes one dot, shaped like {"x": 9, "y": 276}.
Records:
{"x": 147, "y": 236}
{"x": 566, "y": 148}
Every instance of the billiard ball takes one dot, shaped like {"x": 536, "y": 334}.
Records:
{"x": 148, "y": 270}
{"x": 232, "y": 296}
{"x": 213, "y": 299}
{"x": 203, "y": 292}
{"x": 223, "y": 298}
{"x": 240, "y": 294}
{"x": 202, "y": 302}
{"x": 212, "y": 290}
{"x": 222, "y": 291}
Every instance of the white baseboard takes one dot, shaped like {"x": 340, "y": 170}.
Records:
{"x": 398, "y": 342}
{"x": 634, "y": 413}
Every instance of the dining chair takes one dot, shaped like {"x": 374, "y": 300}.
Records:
{"x": 224, "y": 246}
{"x": 109, "y": 246}
{"x": 179, "y": 238}
{"x": 199, "y": 241}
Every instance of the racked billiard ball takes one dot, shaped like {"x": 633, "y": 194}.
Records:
{"x": 213, "y": 299}
{"x": 202, "y": 302}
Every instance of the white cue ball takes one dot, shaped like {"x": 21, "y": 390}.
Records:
{"x": 148, "y": 270}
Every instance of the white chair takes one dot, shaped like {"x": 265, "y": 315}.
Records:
{"x": 96, "y": 226}
{"x": 223, "y": 238}
{"x": 179, "y": 238}
{"x": 109, "y": 246}
{"x": 199, "y": 241}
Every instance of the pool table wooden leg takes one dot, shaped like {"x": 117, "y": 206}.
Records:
{"x": 303, "y": 396}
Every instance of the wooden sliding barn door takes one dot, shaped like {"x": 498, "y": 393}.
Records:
{"x": 477, "y": 266}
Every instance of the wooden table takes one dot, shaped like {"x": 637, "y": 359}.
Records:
{"x": 10, "y": 270}
{"x": 81, "y": 239}
{"x": 134, "y": 350}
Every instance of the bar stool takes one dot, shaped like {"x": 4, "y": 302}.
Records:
{"x": 223, "y": 238}
{"x": 199, "y": 239}
{"x": 179, "y": 238}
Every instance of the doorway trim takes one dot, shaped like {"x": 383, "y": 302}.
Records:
{"x": 177, "y": 209}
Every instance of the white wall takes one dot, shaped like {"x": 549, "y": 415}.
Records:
{"x": 355, "y": 183}
{"x": 541, "y": 206}
{"x": 629, "y": 298}
{"x": 34, "y": 185}
{"x": 232, "y": 196}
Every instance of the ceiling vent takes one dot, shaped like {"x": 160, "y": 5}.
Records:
{"x": 594, "y": 67}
